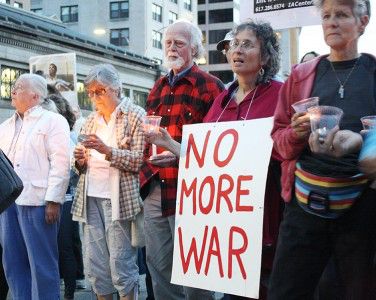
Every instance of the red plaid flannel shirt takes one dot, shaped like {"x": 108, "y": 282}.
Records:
{"x": 187, "y": 102}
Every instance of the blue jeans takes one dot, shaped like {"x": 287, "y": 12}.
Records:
{"x": 68, "y": 237}
{"x": 30, "y": 253}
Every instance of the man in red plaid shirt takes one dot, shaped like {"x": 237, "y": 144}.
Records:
{"x": 183, "y": 96}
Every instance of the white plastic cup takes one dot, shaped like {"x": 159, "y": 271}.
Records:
{"x": 324, "y": 118}
{"x": 151, "y": 124}
{"x": 303, "y": 105}
{"x": 369, "y": 122}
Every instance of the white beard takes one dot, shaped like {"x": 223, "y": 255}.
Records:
{"x": 173, "y": 63}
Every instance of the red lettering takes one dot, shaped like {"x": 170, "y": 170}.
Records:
{"x": 240, "y": 192}
{"x": 192, "y": 250}
{"x": 235, "y": 141}
{"x": 188, "y": 191}
{"x": 216, "y": 252}
{"x": 192, "y": 145}
{"x": 224, "y": 193}
{"x": 236, "y": 252}
{"x": 210, "y": 181}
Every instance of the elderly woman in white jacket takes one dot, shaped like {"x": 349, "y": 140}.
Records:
{"x": 37, "y": 143}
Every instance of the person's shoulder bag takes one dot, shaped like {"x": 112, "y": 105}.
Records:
{"x": 10, "y": 184}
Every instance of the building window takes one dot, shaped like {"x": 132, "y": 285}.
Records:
{"x": 217, "y": 35}
{"x": 201, "y": 2}
{"x": 126, "y": 92}
{"x": 224, "y": 76}
{"x": 218, "y": 1}
{"x": 188, "y": 5}
{"x": 139, "y": 98}
{"x": 119, "y": 9}
{"x": 8, "y": 78}
{"x": 69, "y": 13}
{"x": 174, "y": 1}
{"x": 119, "y": 37}
{"x": 157, "y": 39}
{"x": 216, "y": 57}
{"x": 203, "y": 37}
{"x": 201, "y": 17}
{"x": 5, "y": 1}
{"x": 18, "y": 4}
{"x": 83, "y": 99}
{"x": 220, "y": 15}
{"x": 37, "y": 11}
{"x": 157, "y": 12}
{"x": 172, "y": 17}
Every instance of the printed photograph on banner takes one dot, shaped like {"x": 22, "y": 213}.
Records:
{"x": 281, "y": 14}
{"x": 60, "y": 72}
{"x": 220, "y": 204}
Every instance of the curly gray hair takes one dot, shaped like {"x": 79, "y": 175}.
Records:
{"x": 359, "y": 7}
{"x": 270, "y": 51}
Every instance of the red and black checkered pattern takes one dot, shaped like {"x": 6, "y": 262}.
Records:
{"x": 187, "y": 102}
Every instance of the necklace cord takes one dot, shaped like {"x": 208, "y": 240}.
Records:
{"x": 249, "y": 106}
{"x": 341, "y": 90}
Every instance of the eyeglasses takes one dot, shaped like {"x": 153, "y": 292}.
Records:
{"x": 244, "y": 44}
{"x": 96, "y": 93}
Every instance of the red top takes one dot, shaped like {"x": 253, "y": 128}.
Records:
{"x": 263, "y": 106}
{"x": 186, "y": 102}
{"x": 297, "y": 87}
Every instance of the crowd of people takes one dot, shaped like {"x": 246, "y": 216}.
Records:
{"x": 319, "y": 227}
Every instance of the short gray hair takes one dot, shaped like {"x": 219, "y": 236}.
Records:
{"x": 360, "y": 8}
{"x": 105, "y": 74}
{"x": 37, "y": 84}
{"x": 195, "y": 35}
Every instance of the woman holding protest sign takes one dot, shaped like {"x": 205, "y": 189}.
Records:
{"x": 254, "y": 58}
{"x": 330, "y": 210}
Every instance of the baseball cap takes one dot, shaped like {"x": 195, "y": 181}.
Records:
{"x": 227, "y": 39}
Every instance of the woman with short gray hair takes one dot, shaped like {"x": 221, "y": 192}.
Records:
{"x": 330, "y": 208}
{"x": 107, "y": 199}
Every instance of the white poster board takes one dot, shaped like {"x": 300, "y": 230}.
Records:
{"x": 220, "y": 199}
{"x": 280, "y": 14}
{"x": 59, "y": 71}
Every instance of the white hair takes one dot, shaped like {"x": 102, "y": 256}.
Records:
{"x": 37, "y": 84}
{"x": 195, "y": 35}
{"x": 359, "y": 7}
{"x": 106, "y": 75}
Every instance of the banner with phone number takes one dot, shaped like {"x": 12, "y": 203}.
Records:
{"x": 280, "y": 14}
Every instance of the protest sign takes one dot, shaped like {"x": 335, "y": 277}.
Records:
{"x": 220, "y": 199}
{"x": 59, "y": 71}
{"x": 280, "y": 14}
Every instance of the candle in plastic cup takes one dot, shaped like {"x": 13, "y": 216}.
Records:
{"x": 303, "y": 105}
{"x": 369, "y": 122}
{"x": 324, "y": 118}
{"x": 151, "y": 123}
